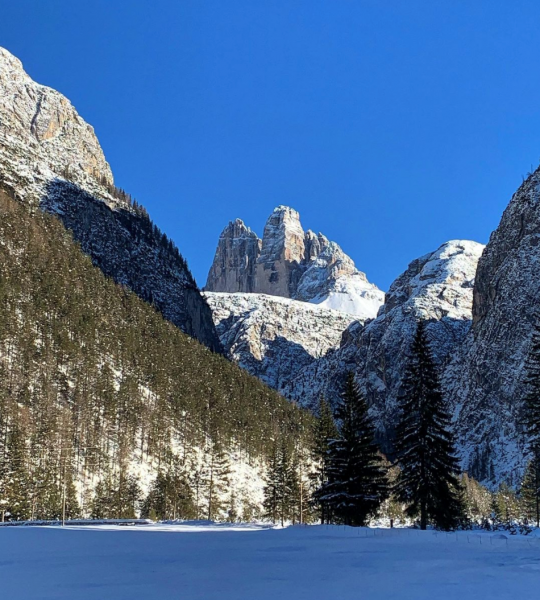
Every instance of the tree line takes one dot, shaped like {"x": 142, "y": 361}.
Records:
{"x": 353, "y": 483}
{"x": 96, "y": 386}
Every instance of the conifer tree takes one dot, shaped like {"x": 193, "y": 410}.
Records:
{"x": 530, "y": 492}
{"x": 504, "y": 505}
{"x": 325, "y": 430}
{"x": 427, "y": 482}
{"x": 282, "y": 492}
{"x": 532, "y": 420}
{"x": 357, "y": 481}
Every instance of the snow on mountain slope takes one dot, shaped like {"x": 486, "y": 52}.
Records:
{"x": 49, "y": 156}
{"x": 291, "y": 263}
{"x": 438, "y": 288}
{"x": 486, "y": 378}
{"x": 275, "y": 338}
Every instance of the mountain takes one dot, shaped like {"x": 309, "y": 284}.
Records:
{"x": 275, "y": 338}
{"x": 437, "y": 288}
{"x": 49, "y": 156}
{"x": 99, "y": 394}
{"x": 485, "y": 379}
{"x": 291, "y": 263}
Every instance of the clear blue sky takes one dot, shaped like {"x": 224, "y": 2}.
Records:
{"x": 392, "y": 126}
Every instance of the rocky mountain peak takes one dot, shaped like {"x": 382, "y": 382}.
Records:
{"x": 49, "y": 156}
{"x": 40, "y": 127}
{"x": 236, "y": 258}
{"x": 291, "y": 263}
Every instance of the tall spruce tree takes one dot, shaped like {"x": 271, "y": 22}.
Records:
{"x": 427, "y": 482}
{"x": 530, "y": 492}
{"x": 532, "y": 419}
{"x": 357, "y": 480}
{"x": 282, "y": 491}
{"x": 324, "y": 431}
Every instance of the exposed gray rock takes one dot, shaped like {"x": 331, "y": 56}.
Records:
{"x": 485, "y": 380}
{"x": 275, "y": 338}
{"x": 235, "y": 261}
{"x": 437, "y": 288}
{"x": 291, "y": 263}
{"x": 49, "y": 156}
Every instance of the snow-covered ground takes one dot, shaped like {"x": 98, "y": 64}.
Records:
{"x": 211, "y": 562}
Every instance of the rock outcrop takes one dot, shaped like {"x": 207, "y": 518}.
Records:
{"x": 291, "y": 263}
{"x": 275, "y": 338}
{"x": 438, "y": 288}
{"x": 49, "y": 156}
{"x": 486, "y": 378}
{"x": 235, "y": 262}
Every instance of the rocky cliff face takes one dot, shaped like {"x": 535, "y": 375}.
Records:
{"x": 49, "y": 156}
{"x": 485, "y": 379}
{"x": 275, "y": 338}
{"x": 235, "y": 262}
{"x": 291, "y": 263}
{"x": 438, "y": 288}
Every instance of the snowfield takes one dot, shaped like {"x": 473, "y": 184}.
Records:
{"x": 249, "y": 562}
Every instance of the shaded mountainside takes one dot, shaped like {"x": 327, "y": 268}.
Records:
{"x": 50, "y": 156}
{"x": 96, "y": 382}
{"x": 275, "y": 338}
{"x": 486, "y": 378}
{"x": 437, "y": 288}
{"x": 291, "y": 263}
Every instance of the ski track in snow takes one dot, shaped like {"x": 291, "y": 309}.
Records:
{"x": 256, "y": 562}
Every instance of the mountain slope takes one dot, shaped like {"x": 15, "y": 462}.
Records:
{"x": 97, "y": 384}
{"x": 485, "y": 380}
{"x": 275, "y": 338}
{"x": 438, "y": 288}
{"x": 51, "y": 157}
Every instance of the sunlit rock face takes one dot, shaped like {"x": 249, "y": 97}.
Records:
{"x": 49, "y": 156}
{"x": 291, "y": 263}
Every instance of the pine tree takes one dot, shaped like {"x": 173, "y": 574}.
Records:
{"x": 324, "y": 431}
{"x": 272, "y": 489}
{"x": 504, "y": 505}
{"x": 532, "y": 421}
{"x": 530, "y": 492}
{"x": 170, "y": 497}
{"x": 427, "y": 482}
{"x": 282, "y": 492}
{"x": 357, "y": 481}
{"x": 17, "y": 477}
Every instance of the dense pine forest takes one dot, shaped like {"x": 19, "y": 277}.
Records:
{"x": 98, "y": 392}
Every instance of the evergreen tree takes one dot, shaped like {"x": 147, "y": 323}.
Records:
{"x": 17, "y": 505}
{"x": 217, "y": 482}
{"x": 530, "y": 492}
{"x": 427, "y": 482}
{"x": 532, "y": 421}
{"x": 169, "y": 498}
{"x": 504, "y": 505}
{"x": 357, "y": 480}
{"x": 282, "y": 492}
{"x": 324, "y": 431}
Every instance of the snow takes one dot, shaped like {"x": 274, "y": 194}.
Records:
{"x": 257, "y": 562}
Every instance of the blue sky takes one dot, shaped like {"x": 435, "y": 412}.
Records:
{"x": 391, "y": 126}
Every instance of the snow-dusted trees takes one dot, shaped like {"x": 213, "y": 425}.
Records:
{"x": 170, "y": 497}
{"x": 89, "y": 369}
{"x": 324, "y": 431}
{"x": 282, "y": 493}
{"x": 356, "y": 476}
{"x": 427, "y": 482}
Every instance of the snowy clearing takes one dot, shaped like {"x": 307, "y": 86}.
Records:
{"x": 237, "y": 562}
